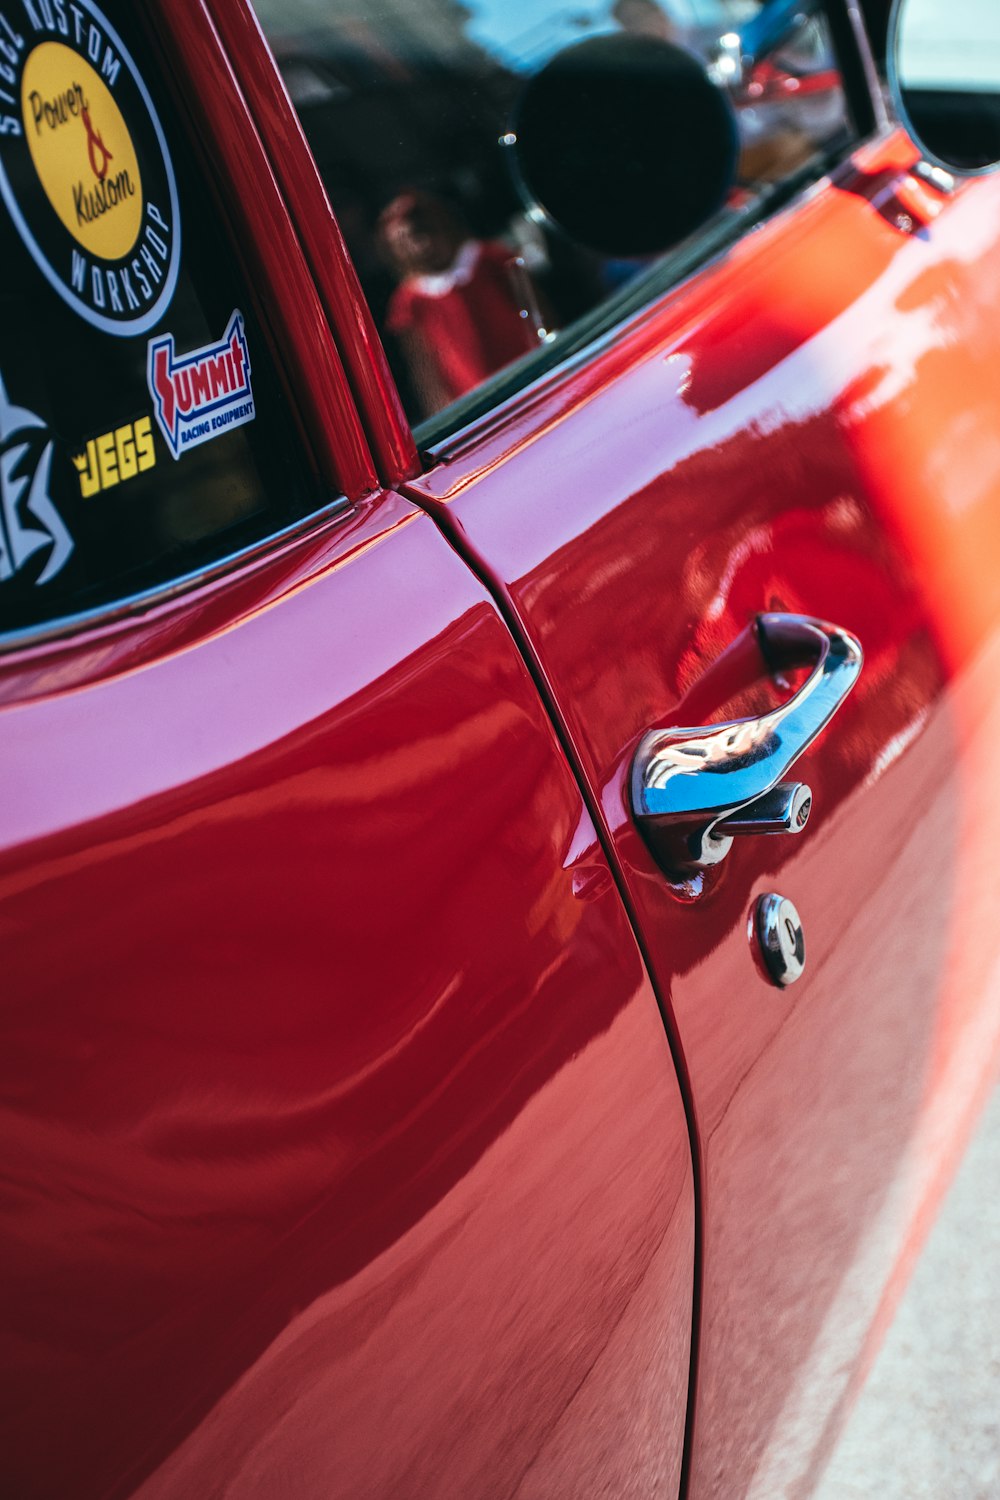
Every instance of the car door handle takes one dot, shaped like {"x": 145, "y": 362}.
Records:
{"x": 694, "y": 790}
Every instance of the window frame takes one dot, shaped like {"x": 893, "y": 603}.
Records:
{"x": 436, "y": 437}
{"x": 213, "y": 113}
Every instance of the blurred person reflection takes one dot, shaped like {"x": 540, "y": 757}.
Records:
{"x": 463, "y": 308}
{"x": 645, "y": 18}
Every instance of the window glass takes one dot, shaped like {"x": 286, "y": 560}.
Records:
{"x": 143, "y": 428}
{"x": 405, "y": 102}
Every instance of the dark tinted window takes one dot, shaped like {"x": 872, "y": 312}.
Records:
{"x": 405, "y": 104}
{"x": 143, "y": 428}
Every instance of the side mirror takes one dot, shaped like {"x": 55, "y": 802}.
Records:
{"x": 624, "y": 143}
{"x": 944, "y": 75}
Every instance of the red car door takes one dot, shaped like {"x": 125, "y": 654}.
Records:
{"x": 806, "y": 427}
{"x": 343, "y": 1151}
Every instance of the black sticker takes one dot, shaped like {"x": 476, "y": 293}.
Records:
{"x": 85, "y": 170}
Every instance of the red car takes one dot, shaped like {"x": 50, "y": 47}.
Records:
{"x": 499, "y": 926}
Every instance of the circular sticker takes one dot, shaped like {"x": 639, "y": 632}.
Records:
{"x": 84, "y": 166}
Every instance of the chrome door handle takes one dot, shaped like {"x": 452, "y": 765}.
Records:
{"x": 694, "y": 790}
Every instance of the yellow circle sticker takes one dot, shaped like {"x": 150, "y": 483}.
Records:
{"x": 82, "y": 150}
{"x": 86, "y": 174}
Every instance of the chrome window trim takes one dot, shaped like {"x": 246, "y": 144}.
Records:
{"x": 452, "y": 444}
{"x": 133, "y": 605}
{"x": 611, "y": 319}
{"x": 490, "y": 404}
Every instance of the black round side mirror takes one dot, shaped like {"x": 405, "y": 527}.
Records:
{"x": 624, "y": 143}
{"x": 944, "y": 75}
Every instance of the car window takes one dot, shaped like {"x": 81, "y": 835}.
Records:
{"x": 143, "y": 428}
{"x": 406, "y": 105}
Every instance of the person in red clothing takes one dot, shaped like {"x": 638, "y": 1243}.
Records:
{"x": 457, "y": 311}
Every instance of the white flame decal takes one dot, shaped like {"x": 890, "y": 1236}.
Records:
{"x": 19, "y": 540}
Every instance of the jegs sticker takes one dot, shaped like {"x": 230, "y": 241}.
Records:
{"x": 115, "y": 456}
{"x": 203, "y": 394}
{"x": 29, "y": 520}
{"x": 84, "y": 166}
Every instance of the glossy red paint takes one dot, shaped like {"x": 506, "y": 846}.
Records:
{"x": 329, "y": 1170}
{"x": 808, "y": 426}
{"x": 347, "y": 1153}
{"x": 247, "y": 187}
{"x": 374, "y": 389}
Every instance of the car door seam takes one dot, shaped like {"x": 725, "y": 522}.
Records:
{"x": 456, "y": 536}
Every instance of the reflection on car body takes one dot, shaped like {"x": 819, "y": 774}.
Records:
{"x": 499, "y": 951}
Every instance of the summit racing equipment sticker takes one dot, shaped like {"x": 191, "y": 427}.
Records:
{"x": 203, "y": 394}
{"x": 84, "y": 167}
{"x": 29, "y": 520}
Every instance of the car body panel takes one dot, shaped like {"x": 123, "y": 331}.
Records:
{"x": 809, "y": 427}
{"x": 272, "y": 1150}
{"x": 348, "y": 1153}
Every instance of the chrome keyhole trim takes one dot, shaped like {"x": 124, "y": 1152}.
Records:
{"x": 778, "y": 931}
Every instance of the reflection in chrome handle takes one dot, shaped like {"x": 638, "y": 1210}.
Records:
{"x": 692, "y": 789}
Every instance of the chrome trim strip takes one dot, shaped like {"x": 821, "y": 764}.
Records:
{"x": 135, "y": 604}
